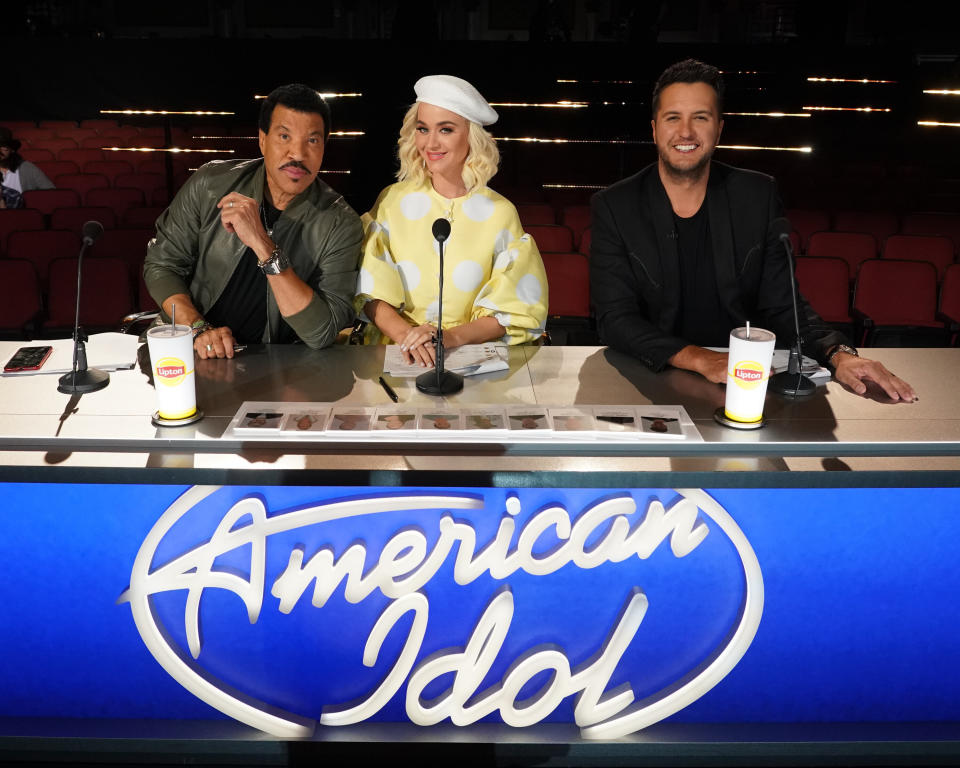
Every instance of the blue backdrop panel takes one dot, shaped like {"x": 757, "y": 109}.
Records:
{"x": 859, "y": 623}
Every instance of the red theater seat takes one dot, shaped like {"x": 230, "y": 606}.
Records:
{"x": 48, "y": 200}
{"x": 853, "y": 247}
{"x": 19, "y": 220}
{"x": 54, "y": 168}
{"x": 536, "y": 214}
{"x": 807, "y": 222}
{"x": 147, "y": 183}
{"x": 36, "y": 155}
{"x": 20, "y": 299}
{"x": 73, "y": 219}
{"x": 945, "y": 224}
{"x": 933, "y": 248}
{"x": 128, "y": 245}
{"x": 893, "y": 295}
{"x": 109, "y": 168}
{"x": 880, "y": 224}
{"x": 81, "y": 183}
{"x": 950, "y": 301}
{"x": 568, "y": 275}
{"x": 553, "y": 238}
{"x": 577, "y": 217}
{"x": 142, "y": 218}
{"x": 105, "y": 298}
{"x": 81, "y": 157}
{"x": 119, "y": 200}
{"x": 41, "y": 248}
{"x": 825, "y": 283}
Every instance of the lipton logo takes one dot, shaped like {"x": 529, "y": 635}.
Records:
{"x": 171, "y": 370}
{"x": 421, "y": 589}
{"x": 748, "y": 374}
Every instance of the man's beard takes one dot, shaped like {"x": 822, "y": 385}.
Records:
{"x": 693, "y": 173}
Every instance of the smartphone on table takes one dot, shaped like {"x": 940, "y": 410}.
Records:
{"x": 27, "y": 359}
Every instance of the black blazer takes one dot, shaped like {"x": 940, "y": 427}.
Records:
{"x": 634, "y": 265}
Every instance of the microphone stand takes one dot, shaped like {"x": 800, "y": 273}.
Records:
{"x": 792, "y": 382}
{"x": 439, "y": 381}
{"x": 80, "y": 379}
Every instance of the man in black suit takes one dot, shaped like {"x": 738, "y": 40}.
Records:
{"x": 688, "y": 248}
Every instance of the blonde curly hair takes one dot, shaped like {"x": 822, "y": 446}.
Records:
{"x": 479, "y": 167}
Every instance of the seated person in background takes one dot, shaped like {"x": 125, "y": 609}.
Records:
{"x": 260, "y": 250}
{"x": 19, "y": 175}
{"x": 688, "y": 249}
{"x": 495, "y": 285}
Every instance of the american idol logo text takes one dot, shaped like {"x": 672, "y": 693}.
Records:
{"x": 610, "y": 531}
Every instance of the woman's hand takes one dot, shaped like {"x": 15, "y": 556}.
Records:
{"x": 417, "y": 345}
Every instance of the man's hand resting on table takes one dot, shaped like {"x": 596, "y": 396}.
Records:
{"x": 853, "y": 372}
{"x": 709, "y": 364}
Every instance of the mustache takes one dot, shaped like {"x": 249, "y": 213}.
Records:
{"x": 295, "y": 164}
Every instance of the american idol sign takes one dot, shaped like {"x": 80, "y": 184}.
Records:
{"x": 284, "y": 607}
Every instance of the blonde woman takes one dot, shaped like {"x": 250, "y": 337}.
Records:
{"x": 495, "y": 287}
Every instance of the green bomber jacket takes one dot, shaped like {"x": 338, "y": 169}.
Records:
{"x": 192, "y": 253}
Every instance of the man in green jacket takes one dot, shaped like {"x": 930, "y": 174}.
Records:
{"x": 260, "y": 250}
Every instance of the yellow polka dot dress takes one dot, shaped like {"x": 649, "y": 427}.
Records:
{"x": 491, "y": 268}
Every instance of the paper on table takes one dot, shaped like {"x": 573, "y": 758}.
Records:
{"x": 106, "y": 351}
{"x": 468, "y": 360}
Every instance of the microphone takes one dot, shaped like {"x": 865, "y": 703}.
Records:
{"x": 791, "y": 382}
{"x": 91, "y": 232}
{"x": 441, "y": 230}
{"x": 438, "y": 381}
{"x": 81, "y": 380}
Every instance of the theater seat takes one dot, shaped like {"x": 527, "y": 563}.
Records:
{"x": 118, "y": 200}
{"x": 825, "y": 283}
{"x": 853, "y": 247}
{"x": 569, "y": 320}
{"x": 553, "y": 238}
{"x": 18, "y": 220}
{"x": 577, "y": 217}
{"x": 897, "y": 302}
{"x": 950, "y": 301}
{"x": 105, "y": 296}
{"x": 936, "y": 249}
{"x": 48, "y": 200}
{"x": 806, "y": 222}
{"x": 43, "y": 247}
{"x": 20, "y": 299}
{"x": 74, "y": 218}
{"x": 532, "y": 214}
{"x": 880, "y": 224}
{"x": 81, "y": 183}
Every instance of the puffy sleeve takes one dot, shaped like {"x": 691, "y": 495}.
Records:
{"x": 516, "y": 293}
{"x": 379, "y": 277}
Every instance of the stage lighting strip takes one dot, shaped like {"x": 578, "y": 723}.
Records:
{"x": 943, "y": 92}
{"x": 534, "y": 140}
{"x": 178, "y": 150}
{"x": 768, "y": 114}
{"x": 574, "y": 186}
{"x": 598, "y": 82}
{"x": 848, "y": 109}
{"x": 326, "y": 95}
{"x": 938, "y": 123}
{"x": 861, "y": 80}
{"x": 203, "y": 112}
{"x": 554, "y": 104}
{"x": 333, "y": 135}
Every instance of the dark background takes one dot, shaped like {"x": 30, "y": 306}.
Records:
{"x": 70, "y": 59}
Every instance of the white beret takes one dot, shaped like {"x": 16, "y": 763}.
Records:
{"x": 449, "y": 92}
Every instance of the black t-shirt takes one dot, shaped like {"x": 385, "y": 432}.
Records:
{"x": 243, "y": 304}
{"x": 702, "y": 319}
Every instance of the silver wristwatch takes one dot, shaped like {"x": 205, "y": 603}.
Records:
{"x": 841, "y": 348}
{"x": 276, "y": 263}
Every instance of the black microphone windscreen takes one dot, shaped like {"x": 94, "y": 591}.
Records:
{"x": 91, "y": 231}
{"x": 781, "y": 227}
{"x": 441, "y": 229}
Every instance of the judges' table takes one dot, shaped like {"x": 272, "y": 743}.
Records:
{"x": 794, "y": 581}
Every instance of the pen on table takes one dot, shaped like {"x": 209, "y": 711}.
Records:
{"x": 239, "y": 347}
{"x": 389, "y": 390}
